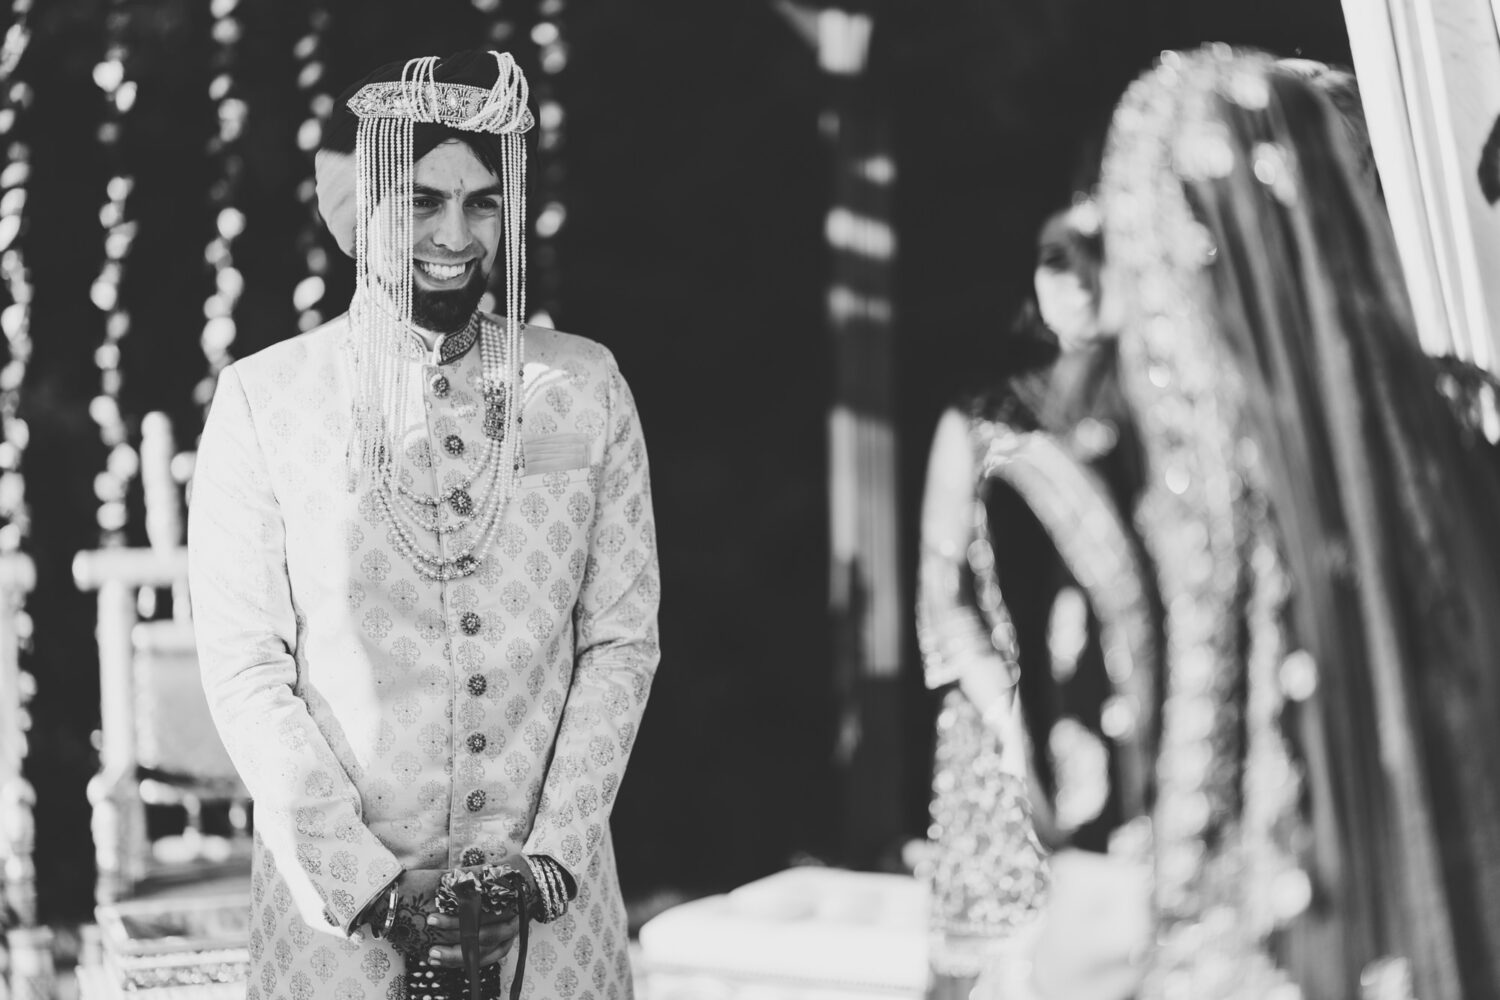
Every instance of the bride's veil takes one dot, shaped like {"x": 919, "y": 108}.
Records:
{"x": 1307, "y": 483}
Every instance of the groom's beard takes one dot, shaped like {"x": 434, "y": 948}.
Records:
{"x": 447, "y": 311}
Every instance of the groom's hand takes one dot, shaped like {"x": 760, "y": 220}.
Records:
{"x": 420, "y": 932}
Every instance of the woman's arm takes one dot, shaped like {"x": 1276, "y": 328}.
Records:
{"x": 954, "y": 636}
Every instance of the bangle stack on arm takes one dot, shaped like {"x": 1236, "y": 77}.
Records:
{"x": 552, "y": 889}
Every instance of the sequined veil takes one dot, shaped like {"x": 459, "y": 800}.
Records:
{"x": 1327, "y": 818}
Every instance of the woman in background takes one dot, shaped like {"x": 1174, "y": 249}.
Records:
{"x": 1033, "y": 615}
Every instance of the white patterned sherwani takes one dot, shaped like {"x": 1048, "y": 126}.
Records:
{"x": 382, "y": 720}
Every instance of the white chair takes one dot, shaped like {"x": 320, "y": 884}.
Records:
{"x": 158, "y": 744}
{"x": 172, "y": 909}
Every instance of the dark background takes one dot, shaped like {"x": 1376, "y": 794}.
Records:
{"x": 696, "y": 183}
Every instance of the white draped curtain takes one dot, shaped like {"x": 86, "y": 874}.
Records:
{"x": 1429, "y": 75}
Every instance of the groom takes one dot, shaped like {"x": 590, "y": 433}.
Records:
{"x": 424, "y": 578}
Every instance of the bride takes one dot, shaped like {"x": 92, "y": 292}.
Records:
{"x": 1324, "y": 530}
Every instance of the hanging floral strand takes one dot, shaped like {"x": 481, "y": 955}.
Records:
{"x": 111, "y": 485}
{"x": 552, "y": 55}
{"x": 308, "y": 296}
{"x": 219, "y": 328}
{"x": 30, "y": 946}
{"x": 15, "y": 319}
{"x": 502, "y": 32}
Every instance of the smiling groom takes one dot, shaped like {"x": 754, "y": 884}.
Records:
{"x": 424, "y": 583}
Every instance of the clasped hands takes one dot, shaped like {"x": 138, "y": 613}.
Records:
{"x": 421, "y": 932}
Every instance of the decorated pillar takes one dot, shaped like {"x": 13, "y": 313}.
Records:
{"x": 869, "y": 594}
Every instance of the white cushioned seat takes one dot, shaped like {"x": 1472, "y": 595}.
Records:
{"x": 802, "y": 934}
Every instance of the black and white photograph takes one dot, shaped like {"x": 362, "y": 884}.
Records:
{"x": 749, "y": 500}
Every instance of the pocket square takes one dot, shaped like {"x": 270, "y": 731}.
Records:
{"x": 556, "y": 453}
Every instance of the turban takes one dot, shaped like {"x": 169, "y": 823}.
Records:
{"x": 334, "y": 167}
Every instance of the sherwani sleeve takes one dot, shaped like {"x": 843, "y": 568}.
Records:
{"x": 307, "y": 811}
{"x": 616, "y": 652}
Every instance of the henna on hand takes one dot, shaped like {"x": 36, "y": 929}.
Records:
{"x": 410, "y": 933}
{"x": 415, "y": 936}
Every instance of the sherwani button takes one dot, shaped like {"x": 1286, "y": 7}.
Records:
{"x": 477, "y": 743}
{"x": 470, "y": 623}
{"x": 453, "y": 445}
{"x": 473, "y": 856}
{"x": 440, "y": 385}
{"x": 478, "y": 685}
{"x": 475, "y": 800}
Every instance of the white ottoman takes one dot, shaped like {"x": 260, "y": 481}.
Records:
{"x": 803, "y": 934}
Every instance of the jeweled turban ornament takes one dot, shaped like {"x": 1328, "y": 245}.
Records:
{"x": 381, "y": 312}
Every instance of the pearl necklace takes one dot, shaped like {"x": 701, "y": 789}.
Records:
{"x": 475, "y": 522}
{"x": 457, "y": 496}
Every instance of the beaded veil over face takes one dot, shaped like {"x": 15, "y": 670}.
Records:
{"x": 383, "y": 341}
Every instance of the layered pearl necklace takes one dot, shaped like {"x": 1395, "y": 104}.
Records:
{"x": 468, "y": 513}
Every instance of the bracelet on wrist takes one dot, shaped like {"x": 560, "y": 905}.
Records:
{"x": 390, "y": 908}
{"x": 552, "y": 897}
{"x": 380, "y": 923}
{"x": 542, "y": 906}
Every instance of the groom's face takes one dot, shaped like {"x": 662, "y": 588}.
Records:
{"x": 456, "y": 232}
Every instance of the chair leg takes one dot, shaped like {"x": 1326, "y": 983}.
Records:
{"x": 192, "y": 830}
{"x": 120, "y": 845}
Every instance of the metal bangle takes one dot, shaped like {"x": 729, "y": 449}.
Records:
{"x": 390, "y": 909}
{"x": 545, "y": 905}
{"x": 559, "y": 888}
{"x": 539, "y": 910}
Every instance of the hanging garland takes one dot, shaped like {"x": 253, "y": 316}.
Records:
{"x": 552, "y": 55}
{"x": 219, "y": 328}
{"x": 15, "y": 319}
{"x": 17, "y": 686}
{"x": 308, "y": 296}
{"x": 111, "y": 485}
{"x": 502, "y": 31}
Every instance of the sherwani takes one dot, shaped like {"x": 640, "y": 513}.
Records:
{"x": 382, "y": 720}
